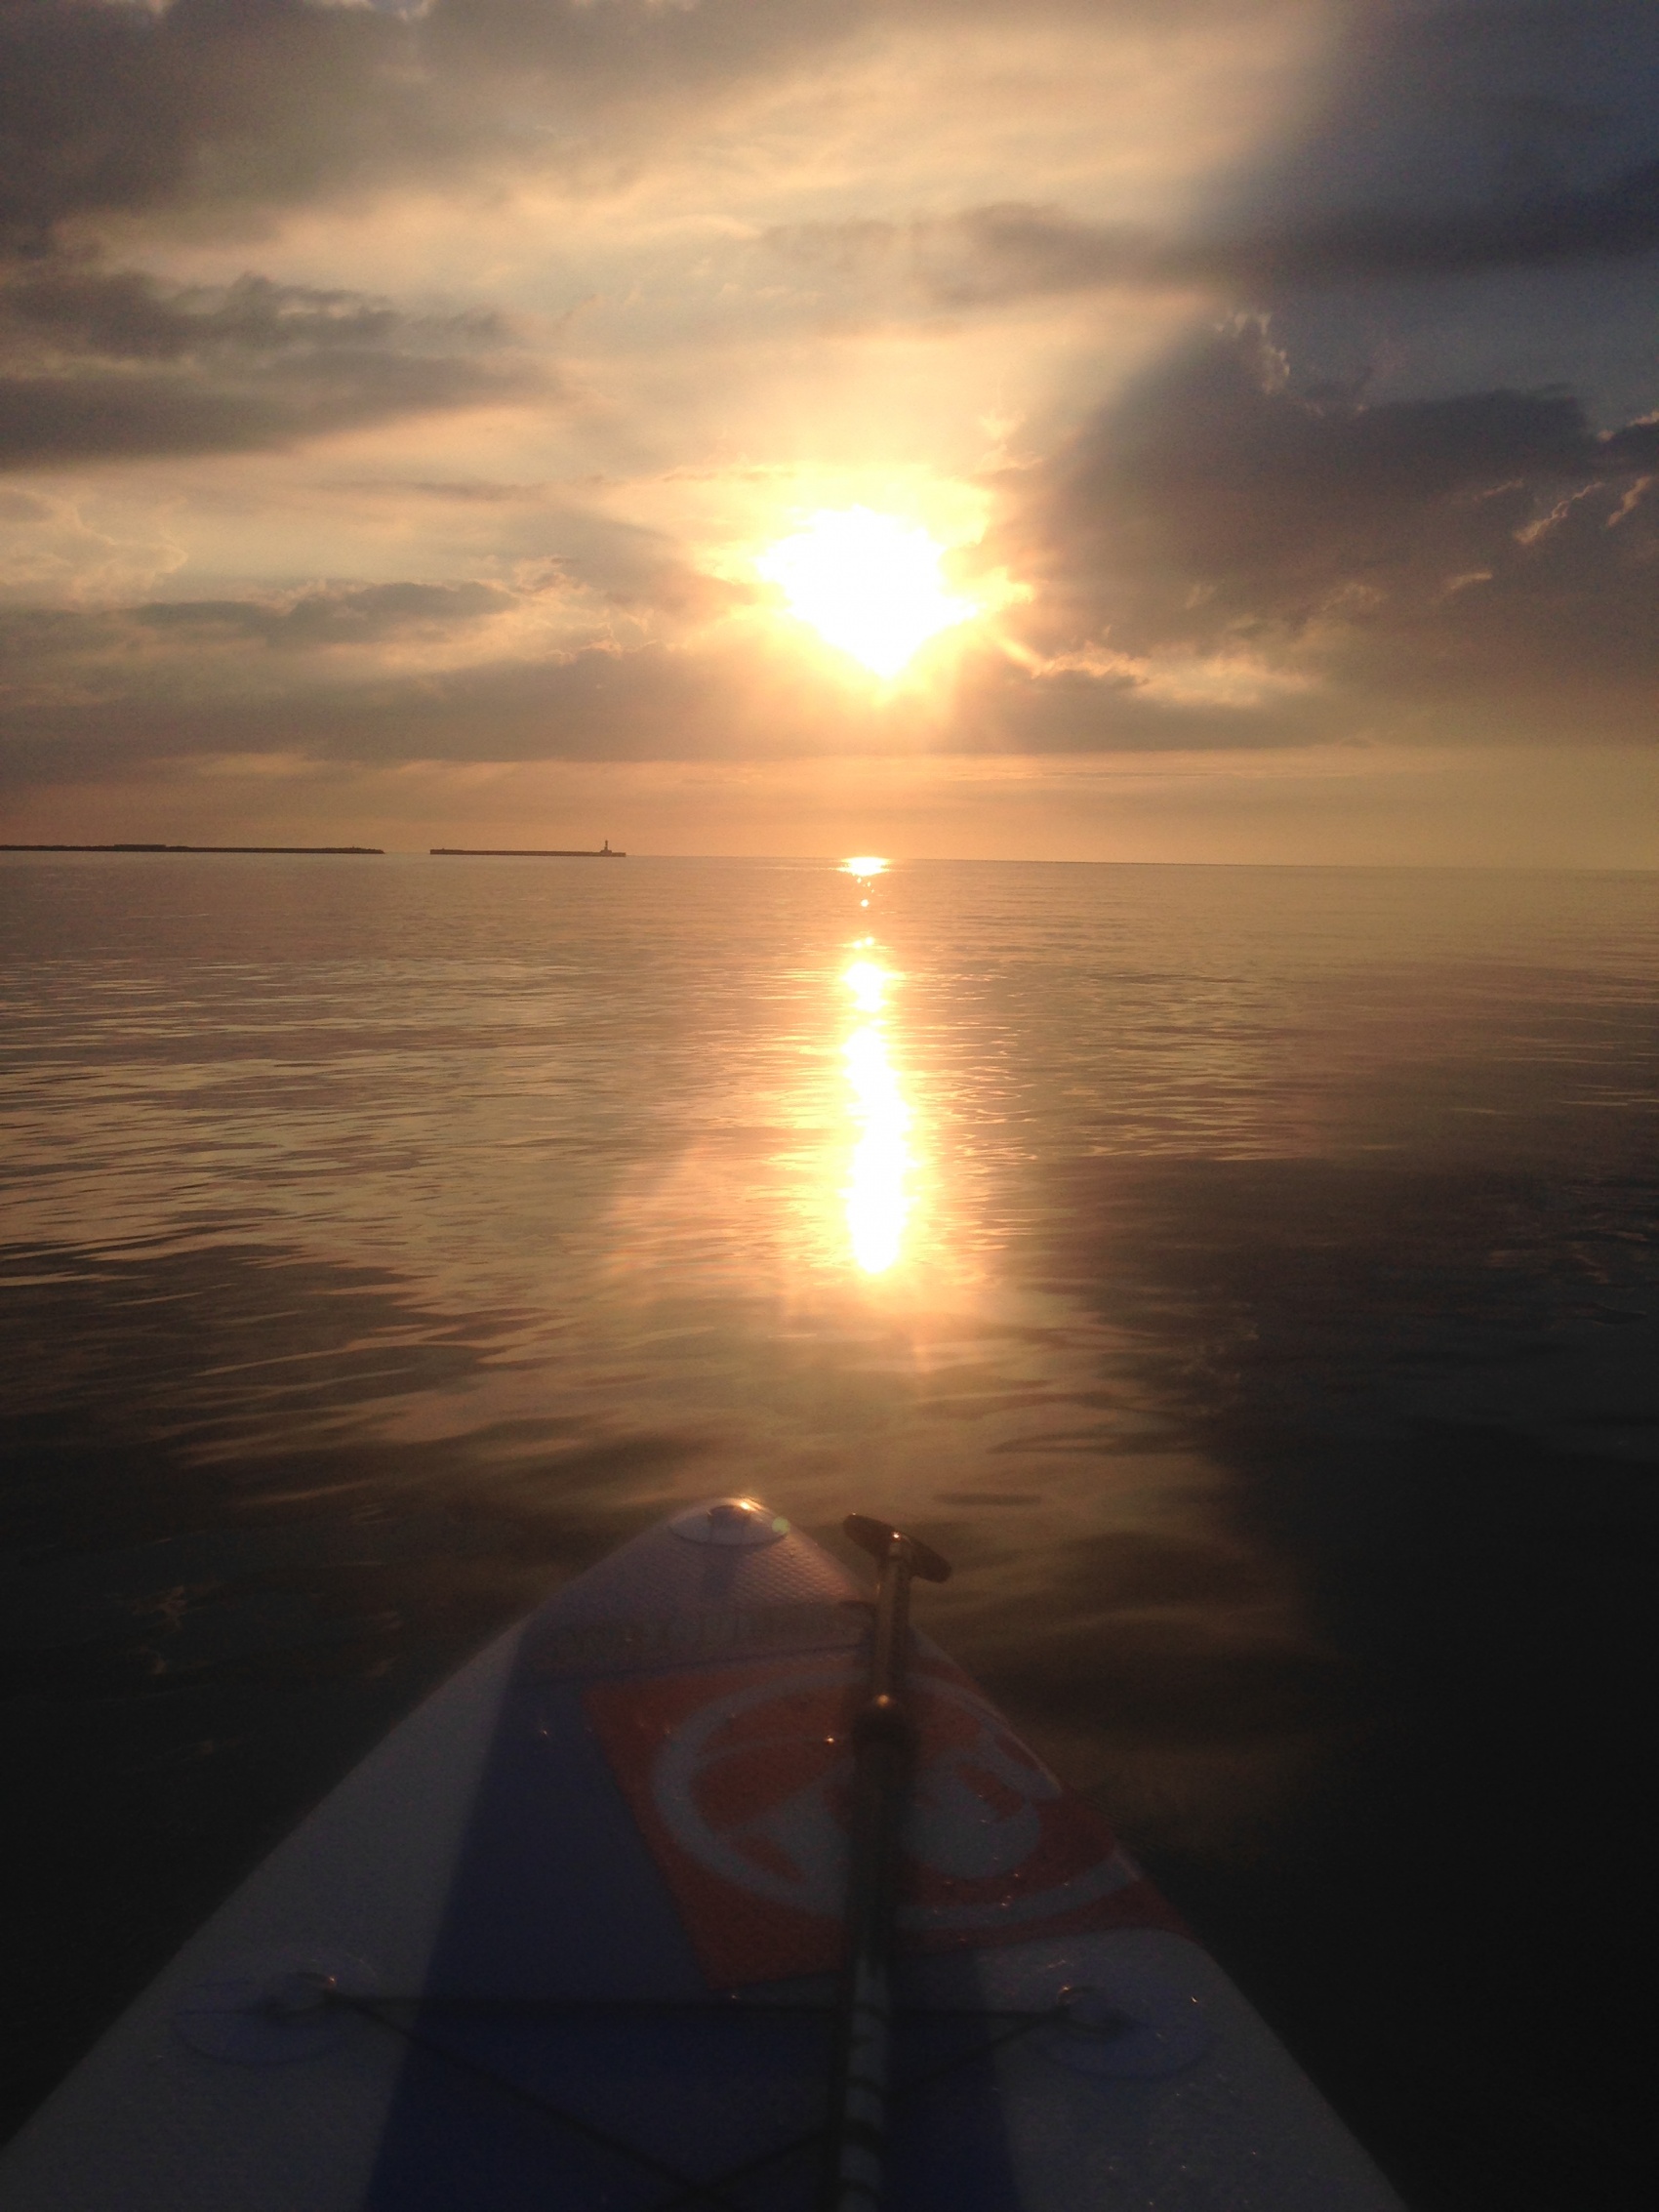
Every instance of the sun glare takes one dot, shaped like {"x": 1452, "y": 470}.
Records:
{"x": 868, "y": 583}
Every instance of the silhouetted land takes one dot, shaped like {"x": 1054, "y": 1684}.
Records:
{"x": 526, "y": 852}
{"x": 366, "y": 848}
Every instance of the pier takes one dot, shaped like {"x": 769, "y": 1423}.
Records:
{"x": 525, "y": 853}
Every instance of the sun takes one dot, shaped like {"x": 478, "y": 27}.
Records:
{"x": 868, "y": 583}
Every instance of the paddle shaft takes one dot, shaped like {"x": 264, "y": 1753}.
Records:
{"x": 883, "y": 1760}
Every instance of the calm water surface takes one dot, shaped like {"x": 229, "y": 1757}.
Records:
{"x": 1249, "y": 1277}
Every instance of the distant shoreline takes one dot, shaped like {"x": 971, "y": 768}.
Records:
{"x": 362, "y": 848}
{"x": 524, "y": 852}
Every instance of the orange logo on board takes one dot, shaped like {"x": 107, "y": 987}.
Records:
{"x": 738, "y": 1778}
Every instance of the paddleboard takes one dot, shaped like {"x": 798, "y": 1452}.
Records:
{"x": 569, "y": 1940}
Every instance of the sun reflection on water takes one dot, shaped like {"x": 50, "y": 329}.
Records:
{"x": 877, "y": 1194}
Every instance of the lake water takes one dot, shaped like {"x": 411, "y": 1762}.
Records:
{"x": 1248, "y": 1276}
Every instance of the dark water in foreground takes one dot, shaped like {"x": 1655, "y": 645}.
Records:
{"x": 1249, "y": 1276}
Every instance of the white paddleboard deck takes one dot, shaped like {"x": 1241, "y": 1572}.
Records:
{"x": 567, "y": 1939}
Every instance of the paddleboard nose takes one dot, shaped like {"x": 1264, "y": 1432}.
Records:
{"x": 730, "y": 1521}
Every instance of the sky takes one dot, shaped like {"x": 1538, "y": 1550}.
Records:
{"x": 472, "y": 422}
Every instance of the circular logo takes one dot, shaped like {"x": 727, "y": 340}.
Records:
{"x": 754, "y": 1787}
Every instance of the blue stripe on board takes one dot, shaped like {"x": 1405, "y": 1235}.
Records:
{"x": 557, "y": 1896}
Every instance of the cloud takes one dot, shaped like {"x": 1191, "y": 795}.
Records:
{"x": 105, "y": 107}
{"x": 109, "y": 107}
{"x": 1218, "y": 560}
{"x": 97, "y": 363}
{"x": 1488, "y": 545}
{"x": 761, "y": 254}
{"x": 990, "y": 256}
{"x": 389, "y": 674}
{"x": 125, "y": 315}
{"x": 49, "y": 550}
{"x": 321, "y": 618}
{"x": 463, "y": 491}
{"x": 360, "y": 615}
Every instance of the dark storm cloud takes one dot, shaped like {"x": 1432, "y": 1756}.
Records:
{"x": 1490, "y": 543}
{"x": 98, "y": 363}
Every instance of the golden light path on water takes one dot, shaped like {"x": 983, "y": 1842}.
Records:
{"x": 878, "y": 1192}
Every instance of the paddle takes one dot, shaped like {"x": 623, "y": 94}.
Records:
{"x": 884, "y": 1738}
